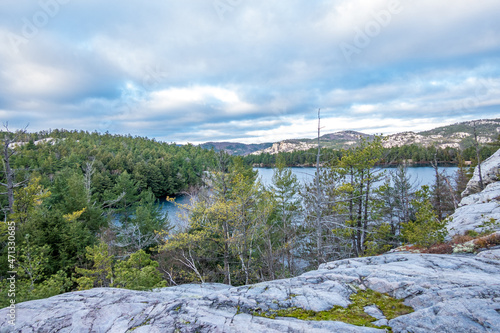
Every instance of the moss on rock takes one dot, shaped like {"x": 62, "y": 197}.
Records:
{"x": 353, "y": 314}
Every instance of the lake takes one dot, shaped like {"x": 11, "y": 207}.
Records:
{"x": 419, "y": 176}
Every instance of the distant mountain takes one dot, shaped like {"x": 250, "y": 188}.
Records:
{"x": 339, "y": 140}
{"x": 459, "y": 135}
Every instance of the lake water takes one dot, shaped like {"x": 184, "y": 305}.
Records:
{"x": 419, "y": 176}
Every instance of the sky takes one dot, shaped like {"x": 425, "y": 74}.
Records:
{"x": 247, "y": 71}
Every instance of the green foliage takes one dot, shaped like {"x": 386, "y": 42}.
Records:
{"x": 426, "y": 229}
{"x": 226, "y": 223}
{"x": 55, "y": 285}
{"x": 282, "y": 229}
{"x": 78, "y": 183}
{"x": 489, "y": 226}
{"x": 140, "y": 230}
{"x": 32, "y": 261}
{"x": 356, "y": 196}
{"x": 380, "y": 241}
{"x": 100, "y": 274}
{"x": 25, "y": 291}
{"x": 166, "y": 169}
{"x": 60, "y": 230}
{"x": 32, "y": 281}
{"x": 419, "y": 155}
{"x": 84, "y": 187}
{"x": 28, "y": 201}
{"x": 139, "y": 272}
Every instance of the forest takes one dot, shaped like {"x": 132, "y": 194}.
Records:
{"x": 419, "y": 155}
{"x": 80, "y": 210}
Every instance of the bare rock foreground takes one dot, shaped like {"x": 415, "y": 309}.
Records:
{"x": 449, "y": 293}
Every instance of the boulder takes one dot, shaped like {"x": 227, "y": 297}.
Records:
{"x": 478, "y": 207}
{"x": 449, "y": 293}
{"x": 475, "y": 210}
{"x": 490, "y": 254}
{"x": 490, "y": 171}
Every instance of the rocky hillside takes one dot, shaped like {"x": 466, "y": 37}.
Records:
{"x": 478, "y": 208}
{"x": 456, "y": 136}
{"x": 337, "y": 140}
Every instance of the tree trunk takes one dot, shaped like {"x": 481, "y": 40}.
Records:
{"x": 476, "y": 145}
{"x": 319, "y": 231}
{"x": 9, "y": 172}
{"x": 9, "y": 175}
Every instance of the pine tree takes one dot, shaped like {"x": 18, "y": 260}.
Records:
{"x": 285, "y": 187}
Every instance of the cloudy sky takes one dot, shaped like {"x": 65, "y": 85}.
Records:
{"x": 247, "y": 71}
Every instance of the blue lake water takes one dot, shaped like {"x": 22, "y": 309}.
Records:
{"x": 419, "y": 176}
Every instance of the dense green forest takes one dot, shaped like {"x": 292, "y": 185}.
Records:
{"x": 79, "y": 210}
{"x": 71, "y": 188}
{"x": 390, "y": 156}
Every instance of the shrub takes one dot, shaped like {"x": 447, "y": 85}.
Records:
{"x": 468, "y": 247}
{"x": 444, "y": 248}
{"x": 426, "y": 229}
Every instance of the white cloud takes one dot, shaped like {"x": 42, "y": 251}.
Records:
{"x": 212, "y": 97}
{"x": 179, "y": 71}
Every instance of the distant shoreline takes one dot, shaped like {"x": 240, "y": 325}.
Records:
{"x": 382, "y": 165}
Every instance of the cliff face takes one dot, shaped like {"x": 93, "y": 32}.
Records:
{"x": 447, "y": 293}
{"x": 478, "y": 207}
{"x": 285, "y": 147}
{"x": 490, "y": 172}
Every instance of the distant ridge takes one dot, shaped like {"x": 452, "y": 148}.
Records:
{"x": 458, "y": 135}
{"x": 343, "y": 135}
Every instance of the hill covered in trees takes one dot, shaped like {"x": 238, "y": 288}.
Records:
{"x": 235, "y": 148}
{"x": 65, "y": 190}
{"x": 458, "y": 136}
{"x": 163, "y": 168}
{"x": 407, "y": 154}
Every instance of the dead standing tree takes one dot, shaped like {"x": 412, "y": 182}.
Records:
{"x": 8, "y": 150}
{"x": 319, "y": 229}
{"x": 476, "y": 146}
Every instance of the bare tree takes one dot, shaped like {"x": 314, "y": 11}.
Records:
{"x": 319, "y": 231}
{"x": 476, "y": 145}
{"x": 8, "y": 150}
{"x": 444, "y": 199}
{"x": 88, "y": 171}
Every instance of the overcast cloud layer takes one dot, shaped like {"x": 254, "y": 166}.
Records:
{"x": 247, "y": 71}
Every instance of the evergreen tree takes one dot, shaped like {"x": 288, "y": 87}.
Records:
{"x": 426, "y": 229}
{"x": 282, "y": 235}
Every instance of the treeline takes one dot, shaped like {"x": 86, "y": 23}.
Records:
{"x": 390, "y": 156}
